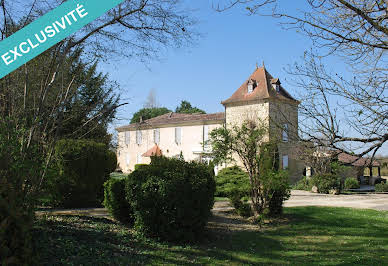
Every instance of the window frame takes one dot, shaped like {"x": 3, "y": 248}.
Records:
{"x": 139, "y": 137}
{"x": 178, "y": 141}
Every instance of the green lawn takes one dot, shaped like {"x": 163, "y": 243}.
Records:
{"x": 306, "y": 236}
{"x": 118, "y": 175}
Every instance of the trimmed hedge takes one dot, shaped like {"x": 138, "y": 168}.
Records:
{"x": 81, "y": 168}
{"x": 351, "y": 183}
{"x": 382, "y": 187}
{"x": 231, "y": 179}
{"x": 115, "y": 201}
{"x": 137, "y": 166}
{"x": 171, "y": 198}
{"x": 326, "y": 182}
{"x": 304, "y": 184}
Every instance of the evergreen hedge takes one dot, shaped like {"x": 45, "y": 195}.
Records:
{"x": 171, "y": 198}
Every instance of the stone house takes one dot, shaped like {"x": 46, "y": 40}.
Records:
{"x": 260, "y": 97}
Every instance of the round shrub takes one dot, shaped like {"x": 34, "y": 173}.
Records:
{"x": 303, "y": 184}
{"x": 351, "y": 183}
{"x": 382, "y": 187}
{"x": 171, "y": 198}
{"x": 231, "y": 179}
{"x": 326, "y": 182}
{"x": 115, "y": 201}
{"x": 81, "y": 168}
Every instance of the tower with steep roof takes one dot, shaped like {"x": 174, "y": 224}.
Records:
{"x": 262, "y": 97}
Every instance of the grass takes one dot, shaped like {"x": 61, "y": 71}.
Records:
{"x": 221, "y": 199}
{"x": 118, "y": 175}
{"x": 305, "y": 236}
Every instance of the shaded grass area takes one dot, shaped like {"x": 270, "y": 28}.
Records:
{"x": 221, "y": 199}
{"x": 304, "y": 236}
{"x": 118, "y": 175}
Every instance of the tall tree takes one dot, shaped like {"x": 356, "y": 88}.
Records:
{"x": 357, "y": 32}
{"x": 186, "y": 108}
{"x": 147, "y": 113}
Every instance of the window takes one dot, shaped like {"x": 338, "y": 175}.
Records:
{"x": 156, "y": 136}
{"x": 138, "y": 137}
{"x": 138, "y": 160}
{"x": 285, "y": 132}
{"x": 205, "y": 133}
{"x": 178, "y": 135}
{"x": 285, "y": 161}
{"x": 127, "y": 158}
{"x": 127, "y": 137}
{"x": 251, "y": 86}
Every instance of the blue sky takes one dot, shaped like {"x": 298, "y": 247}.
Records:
{"x": 210, "y": 71}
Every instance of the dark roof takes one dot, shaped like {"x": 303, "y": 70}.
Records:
{"x": 176, "y": 118}
{"x": 356, "y": 161}
{"x": 263, "y": 90}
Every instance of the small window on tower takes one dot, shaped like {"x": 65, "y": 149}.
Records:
{"x": 251, "y": 85}
{"x": 285, "y": 161}
{"x": 285, "y": 132}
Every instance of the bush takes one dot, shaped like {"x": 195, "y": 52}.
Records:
{"x": 275, "y": 186}
{"x": 19, "y": 179}
{"x": 137, "y": 166}
{"x": 351, "y": 183}
{"x": 303, "y": 184}
{"x": 382, "y": 187}
{"x": 171, "y": 198}
{"x": 277, "y": 191}
{"x": 232, "y": 179}
{"x": 81, "y": 168}
{"x": 115, "y": 201}
{"x": 326, "y": 182}
{"x": 240, "y": 203}
{"x": 16, "y": 220}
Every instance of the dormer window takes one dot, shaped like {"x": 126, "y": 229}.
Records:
{"x": 276, "y": 84}
{"x": 251, "y": 85}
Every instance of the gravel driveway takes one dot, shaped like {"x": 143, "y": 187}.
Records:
{"x": 361, "y": 201}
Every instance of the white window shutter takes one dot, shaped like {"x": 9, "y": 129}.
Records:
{"x": 205, "y": 133}
{"x": 178, "y": 135}
{"x": 138, "y": 137}
{"x": 138, "y": 158}
{"x": 157, "y": 136}
{"x": 285, "y": 132}
{"x": 285, "y": 161}
{"x": 127, "y": 158}
{"x": 127, "y": 137}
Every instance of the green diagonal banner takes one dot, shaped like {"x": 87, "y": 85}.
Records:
{"x": 48, "y": 30}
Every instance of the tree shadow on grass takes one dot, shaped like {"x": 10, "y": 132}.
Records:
{"x": 305, "y": 236}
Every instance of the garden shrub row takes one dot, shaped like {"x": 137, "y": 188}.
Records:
{"x": 79, "y": 171}
{"x": 382, "y": 187}
{"x": 169, "y": 199}
{"x": 115, "y": 200}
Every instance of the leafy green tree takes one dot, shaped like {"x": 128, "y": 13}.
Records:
{"x": 147, "y": 113}
{"x": 269, "y": 187}
{"x": 187, "y": 108}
